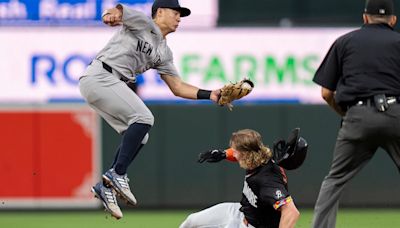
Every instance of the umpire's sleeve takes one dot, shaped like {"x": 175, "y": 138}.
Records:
{"x": 330, "y": 70}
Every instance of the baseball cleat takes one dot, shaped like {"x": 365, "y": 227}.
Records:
{"x": 107, "y": 197}
{"x": 120, "y": 184}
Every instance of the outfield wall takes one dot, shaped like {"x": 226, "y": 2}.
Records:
{"x": 52, "y": 154}
{"x": 166, "y": 174}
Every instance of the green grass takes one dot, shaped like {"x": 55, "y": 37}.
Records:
{"x": 347, "y": 218}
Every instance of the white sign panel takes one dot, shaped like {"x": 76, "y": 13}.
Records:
{"x": 88, "y": 12}
{"x": 44, "y": 64}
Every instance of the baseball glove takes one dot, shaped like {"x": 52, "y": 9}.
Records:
{"x": 235, "y": 91}
{"x": 212, "y": 156}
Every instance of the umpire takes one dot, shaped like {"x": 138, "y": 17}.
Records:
{"x": 360, "y": 80}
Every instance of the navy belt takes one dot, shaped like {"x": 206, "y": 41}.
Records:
{"x": 110, "y": 70}
{"x": 107, "y": 67}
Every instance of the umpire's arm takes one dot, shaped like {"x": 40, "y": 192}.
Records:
{"x": 182, "y": 89}
{"x": 329, "y": 97}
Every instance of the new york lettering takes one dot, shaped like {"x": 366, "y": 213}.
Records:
{"x": 144, "y": 47}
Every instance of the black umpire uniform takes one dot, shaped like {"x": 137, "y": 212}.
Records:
{"x": 360, "y": 79}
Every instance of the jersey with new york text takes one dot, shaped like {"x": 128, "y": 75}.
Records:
{"x": 265, "y": 190}
{"x": 138, "y": 46}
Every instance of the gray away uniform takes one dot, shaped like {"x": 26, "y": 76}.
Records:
{"x": 134, "y": 49}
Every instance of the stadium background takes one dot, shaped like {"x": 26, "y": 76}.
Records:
{"x": 54, "y": 147}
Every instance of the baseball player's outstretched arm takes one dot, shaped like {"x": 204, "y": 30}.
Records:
{"x": 216, "y": 155}
{"x": 182, "y": 89}
{"x": 289, "y": 216}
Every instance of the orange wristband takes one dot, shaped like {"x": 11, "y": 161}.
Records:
{"x": 229, "y": 155}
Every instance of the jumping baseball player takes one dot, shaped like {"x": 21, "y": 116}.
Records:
{"x": 139, "y": 45}
{"x": 266, "y": 201}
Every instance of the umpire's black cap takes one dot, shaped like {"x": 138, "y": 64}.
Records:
{"x": 171, "y": 4}
{"x": 379, "y": 7}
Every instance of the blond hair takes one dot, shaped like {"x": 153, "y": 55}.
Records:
{"x": 253, "y": 152}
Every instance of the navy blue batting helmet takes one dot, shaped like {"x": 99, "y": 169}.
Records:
{"x": 291, "y": 153}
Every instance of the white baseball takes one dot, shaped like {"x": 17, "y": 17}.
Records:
{"x": 247, "y": 86}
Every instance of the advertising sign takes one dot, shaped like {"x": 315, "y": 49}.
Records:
{"x": 57, "y": 161}
{"x": 88, "y": 12}
{"x": 44, "y": 65}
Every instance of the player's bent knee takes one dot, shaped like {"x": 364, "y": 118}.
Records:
{"x": 144, "y": 118}
{"x": 148, "y": 118}
{"x": 151, "y": 119}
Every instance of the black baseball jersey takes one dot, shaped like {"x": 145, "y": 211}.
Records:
{"x": 264, "y": 192}
{"x": 362, "y": 63}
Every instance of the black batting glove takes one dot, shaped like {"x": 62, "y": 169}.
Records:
{"x": 212, "y": 156}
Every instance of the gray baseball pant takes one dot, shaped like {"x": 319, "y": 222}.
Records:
{"x": 112, "y": 99}
{"x": 363, "y": 130}
{"x": 223, "y": 215}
